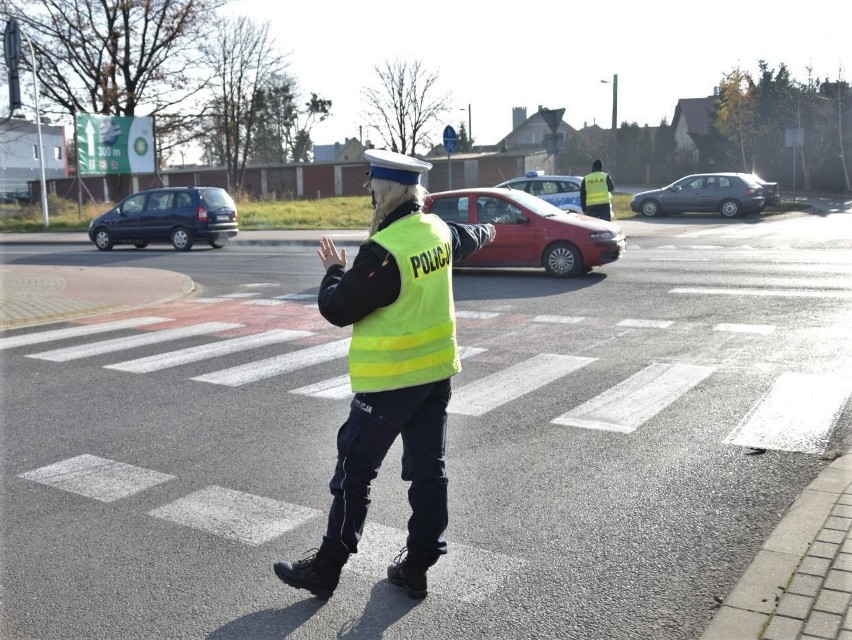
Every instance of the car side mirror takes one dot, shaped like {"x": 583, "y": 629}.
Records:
{"x": 521, "y": 219}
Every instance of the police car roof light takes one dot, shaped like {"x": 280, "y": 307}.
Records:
{"x": 534, "y": 174}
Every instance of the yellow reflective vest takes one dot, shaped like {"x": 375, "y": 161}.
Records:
{"x": 597, "y": 191}
{"x": 413, "y": 340}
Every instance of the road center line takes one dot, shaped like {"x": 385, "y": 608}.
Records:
{"x": 783, "y": 293}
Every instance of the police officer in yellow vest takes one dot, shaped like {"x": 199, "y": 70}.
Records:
{"x": 596, "y": 193}
{"x": 398, "y": 296}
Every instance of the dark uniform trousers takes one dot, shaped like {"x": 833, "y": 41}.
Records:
{"x": 419, "y": 414}
{"x": 602, "y": 211}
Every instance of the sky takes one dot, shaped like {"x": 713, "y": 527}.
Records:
{"x": 491, "y": 58}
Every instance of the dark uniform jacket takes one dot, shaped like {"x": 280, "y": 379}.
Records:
{"x": 373, "y": 282}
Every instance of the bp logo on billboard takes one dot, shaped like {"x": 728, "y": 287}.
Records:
{"x": 114, "y": 144}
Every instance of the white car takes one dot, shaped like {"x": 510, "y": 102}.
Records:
{"x": 560, "y": 191}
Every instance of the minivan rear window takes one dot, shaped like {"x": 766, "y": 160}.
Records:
{"x": 217, "y": 198}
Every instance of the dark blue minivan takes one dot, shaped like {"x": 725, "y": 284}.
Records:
{"x": 179, "y": 215}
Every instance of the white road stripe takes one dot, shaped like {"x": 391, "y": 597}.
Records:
{"x": 74, "y": 332}
{"x": 238, "y": 516}
{"x": 465, "y": 574}
{"x": 97, "y": 478}
{"x": 630, "y": 403}
{"x": 206, "y": 351}
{"x": 716, "y": 231}
{"x": 783, "y": 293}
{"x": 253, "y": 371}
{"x": 764, "y": 329}
{"x": 339, "y": 388}
{"x": 297, "y": 296}
{"x": 646, "y": 324}
{"x": 478, "y": 315}
{"x": 265, "y": 302}
{"x": 797, "y": 414}
{"x": 131, "y": 342}
{"x": 242, "y": 294}
{"x": 558, "y": 319}
{"x": 336, "y": 388}
{"x": 499, "y": 388}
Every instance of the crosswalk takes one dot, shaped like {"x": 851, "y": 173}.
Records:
{"x": 794, "y": 411}
{"x": 797, "y": 411}
{"x": 469, "y": 575}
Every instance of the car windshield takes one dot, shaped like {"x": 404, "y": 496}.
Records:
{"x": 537, "y": 205}
{"x": 217, "y": 198}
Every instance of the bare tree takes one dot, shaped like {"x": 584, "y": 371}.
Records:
{"x": 405, "y": 106}
{"x": 837, "y": 94}
{"x": 245, "y": 61}
{"x": 283, "y": 128}
{"x": 112, "y": 56}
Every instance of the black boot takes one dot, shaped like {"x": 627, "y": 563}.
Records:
{"x": 410, "y": 574}
{"x": 317, "y": 573}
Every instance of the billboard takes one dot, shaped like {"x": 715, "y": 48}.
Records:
{"x": 114, "y": 145}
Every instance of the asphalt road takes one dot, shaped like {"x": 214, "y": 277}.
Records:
{"x": 607, "y": 479}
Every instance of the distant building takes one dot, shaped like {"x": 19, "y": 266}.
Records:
{"x": 350, "y": 150}
{"x": 692, "y": 116}
{"x": 19, "y": 154}
{"x": 533, "y": 132}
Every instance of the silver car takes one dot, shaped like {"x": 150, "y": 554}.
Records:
{"x": 730, "y": 194}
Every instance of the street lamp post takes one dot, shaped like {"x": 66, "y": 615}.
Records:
{"x": 614, "y": 82}
{"x": 469, "y": 127}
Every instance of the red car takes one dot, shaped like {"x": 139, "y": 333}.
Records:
{"x": 530, "y": 231}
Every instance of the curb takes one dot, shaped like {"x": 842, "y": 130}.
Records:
{"x": 760, "y": 601}
{"x": 253, "y": 236}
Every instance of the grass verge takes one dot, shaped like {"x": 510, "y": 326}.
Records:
{"x": 352, "y": 212}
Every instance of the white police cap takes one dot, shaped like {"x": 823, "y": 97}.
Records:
{"x": 389, "y": 165}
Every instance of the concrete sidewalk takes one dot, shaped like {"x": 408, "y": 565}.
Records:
{"x": 34, "y": 294}
{"x": 798, "y": 586}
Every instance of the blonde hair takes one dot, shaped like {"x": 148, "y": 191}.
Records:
{"x": 389, "y": 195}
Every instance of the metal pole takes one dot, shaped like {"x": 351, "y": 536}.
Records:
{"x": 794, "y": 174}
{"x": 614, "y": 120}
{"x": 40, "y": 141}
{"x": 469, "y": 127}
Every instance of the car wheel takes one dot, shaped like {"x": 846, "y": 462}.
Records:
{"x": 650, "y": 208}
{"x": 730, "y": 209}
{"x": 563, "y": 260}
{"x": 217, "y": 244}
{"x": 140, "y": 244}
{"x": 181, "y": 240}
{"x": 103, "y": 239}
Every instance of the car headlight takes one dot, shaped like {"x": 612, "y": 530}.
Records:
{"x": 602, "y": 235}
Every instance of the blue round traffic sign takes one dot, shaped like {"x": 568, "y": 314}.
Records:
{"x": 451, "y": 140}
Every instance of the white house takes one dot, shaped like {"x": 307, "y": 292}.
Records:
{"x": 19, "y": 154}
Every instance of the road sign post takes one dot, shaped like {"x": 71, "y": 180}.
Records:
{"x": 451, "y": 143}
{"x": 553, "y": 118}
{"x": 794, "y": 138}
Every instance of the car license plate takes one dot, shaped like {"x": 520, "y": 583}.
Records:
{"x": 223, "y": 218}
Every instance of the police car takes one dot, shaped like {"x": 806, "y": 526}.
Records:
{"x": 561, "y": 191}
